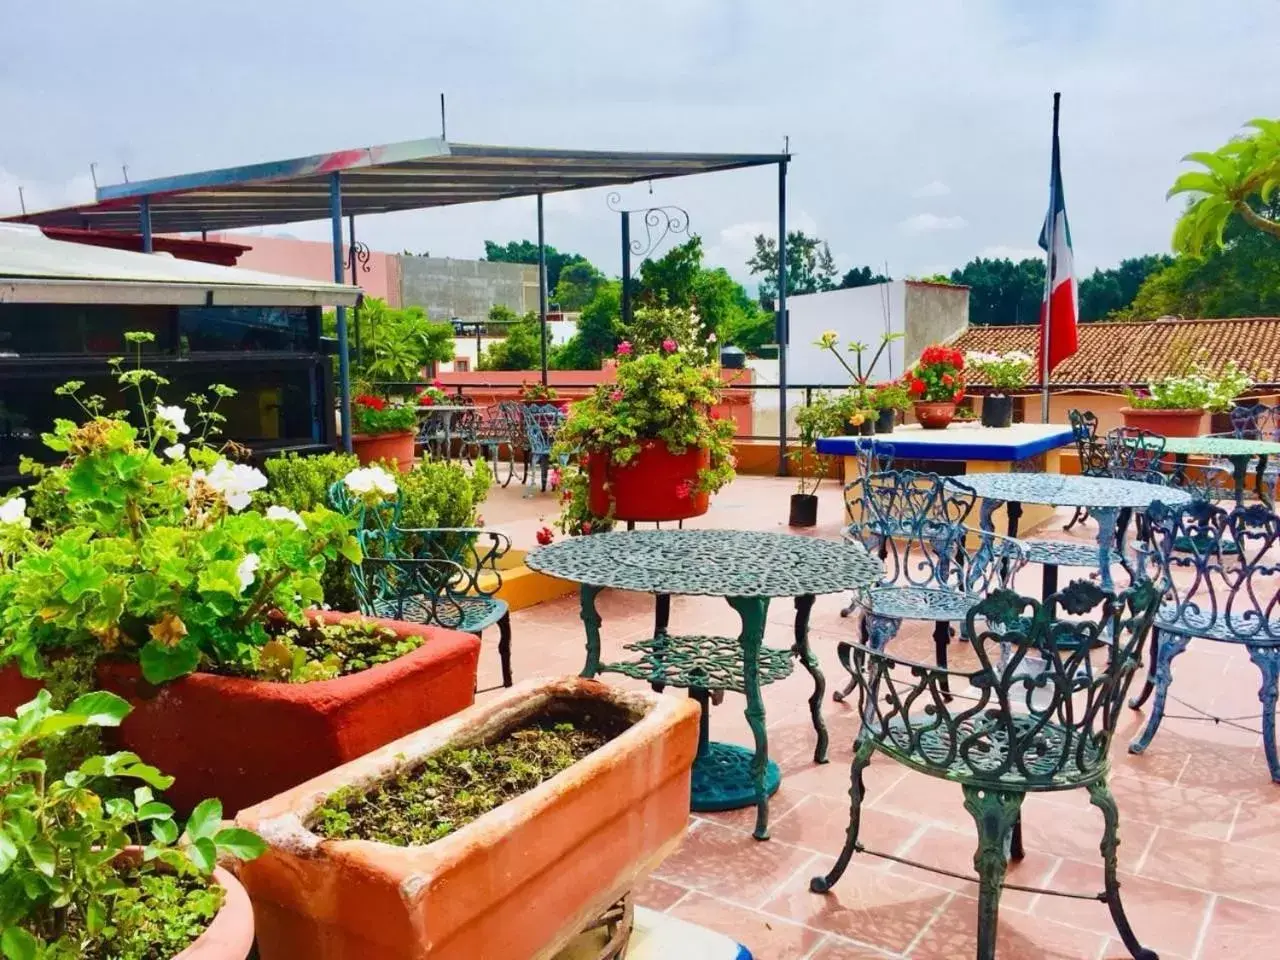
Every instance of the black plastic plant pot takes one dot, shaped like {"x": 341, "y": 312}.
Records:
{"x": 868, "y": 427}
{"x": 886, "y": 420}
{"x": 997, "y": 410}
{"x": 804, "y": 510}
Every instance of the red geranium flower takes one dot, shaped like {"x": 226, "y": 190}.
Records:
{"x": 916, "y": 386}
{"x": 959, "y": 396}
{"x": 545, "y": 536}
{"x": 372, "y": 402}
{"x": 948, "y": 379}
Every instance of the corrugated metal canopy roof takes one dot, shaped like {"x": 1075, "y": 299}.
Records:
{"x": 399, "y": 176}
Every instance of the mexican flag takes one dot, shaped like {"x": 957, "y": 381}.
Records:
{"x": 1058, "y": 311}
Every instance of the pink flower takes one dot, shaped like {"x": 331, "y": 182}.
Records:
{"x": 669, "y": 345}
{"x": 733, "y": 461}
{"x": 684, "y": 489}
{"x": 554, "y": 478}
{"x": 624, "y": 348}
{"x": 615, "y": 396}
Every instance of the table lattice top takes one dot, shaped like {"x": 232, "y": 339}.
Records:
{"x": 716, "y": 563}
{"x": 1062, "y": 490}
{"x": 1221, "y": 446}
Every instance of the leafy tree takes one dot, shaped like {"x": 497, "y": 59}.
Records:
{"x": 526, "y": 251}
{"x": 520, "y": 349}
{"x": 1236, "y": 177}
{"x": 396, "y": 342}
{"x": 810, "y": 266}
{"x": 861, "y": 277}
{"x": 1107, "y": 292}
{"x": 577, "y": 285}
{"x": 1002, "y": 292}
{"x": 598, "y": 331}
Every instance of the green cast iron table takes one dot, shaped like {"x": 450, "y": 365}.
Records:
{"x": 1237, "y": 450}
{"x": 748, "y": 569}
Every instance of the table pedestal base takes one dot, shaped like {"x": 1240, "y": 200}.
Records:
{"x": 722, "y": 778}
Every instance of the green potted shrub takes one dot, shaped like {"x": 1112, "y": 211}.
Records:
{"x": 823, "y": 417}
{"x": 651, "y": 443}
{"x": 1176, "y": 406}
{"x": 889, "y": 399}
{"x": 1004, "y": 372}
{"x": 383, "y": 429}
{"x": 155, "y": 573}
{"x": 533, "y": 392}
{"x": 935, "y": 383}
{"x": 90, "y": 861}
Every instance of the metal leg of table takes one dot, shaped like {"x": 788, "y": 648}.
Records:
{"x": 804, "y": 605}
{"x": 661, "y": 619}
{"x": 1108, "y": 519}
{"x": 753, "y": 611}
{"x": 591, "y": 621}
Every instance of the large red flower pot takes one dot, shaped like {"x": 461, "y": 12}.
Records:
{"x": 15, "y": 689}
{"x": 516, "y": 883}
{"x": 397, "y": 448}
{"x": 1169, "y": 423}
{"x": 245, "y": 740}
{"x": 656, "y": 485}
{"x": 935, "y": 416}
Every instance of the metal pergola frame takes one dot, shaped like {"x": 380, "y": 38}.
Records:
{"x": 412, "y": 175}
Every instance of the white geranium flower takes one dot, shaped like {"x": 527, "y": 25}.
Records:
{"x": 176, "y": 452}
{"x": 14, "y": 512}
{"x": 236, "y": 482}
{"x": 368, "y": 480}
{"x": 247, "y": 570}
{"x": 175, "y": 416}
{"x": 284, "y": 513}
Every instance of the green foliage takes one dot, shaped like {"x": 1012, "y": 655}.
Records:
{"x": 598, "y": 331}
{"x": 1236, "y": 178}
{"x": 520, "y": 349}
{"x": 824, "y": 416}
{"x": 665, "y": 389}
{"x": 396, "y": 343}
{"x": 891, "y": 396}
{"x": 810, "y": 267}
{"x": 1004, "y": 371}
{"x": 454, "y": 787}
{"x": 578, "y": 284}
{"x": 1002, "y": 292}
{"x": 303, "y": 653}
{"x": 1196, "y": 390}
{"x": 861, "y": 277}
{"x": 526, "y": 251}
{"x": 374, "y": 416}
{"x": 1106, "y": 293}
{"x": 64, "y": 891}
{"x": 157, "y": 561}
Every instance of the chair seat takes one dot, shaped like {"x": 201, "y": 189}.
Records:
{"x": 978, "y": 751}
{"x": 1060, "y": 553}
{"x": 921, "y": 603}
{"x": 1223, "y": 627}
{"x": 468, "y": 614}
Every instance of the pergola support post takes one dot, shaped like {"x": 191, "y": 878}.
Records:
{"x": 144, "y": 223}
{"x": 542, "y": 292}
{"x": 782, "y": 318}
{"x": 626, "y": 269}
{"x": 339, "y": 269}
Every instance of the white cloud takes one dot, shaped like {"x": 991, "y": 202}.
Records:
{"x": 1001, "y": 252}
{"x": 931, "y": 223}
{"x": 934, "y": 188}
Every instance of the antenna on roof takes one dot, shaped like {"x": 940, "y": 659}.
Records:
{"x": 93, "y": 172}
{"x": 786, "y": 143}
{"x": 124, "y": 168}
{"x": 443, "y": 134}
{"x": 22, "y": 200}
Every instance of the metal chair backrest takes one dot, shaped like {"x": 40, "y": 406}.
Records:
{"x": 497, "y": 423}
{"x": 1091, "y": 450}
{"x": 1255, "y": 421}
{"x": 1134, "y": 454}
{"x": 1219, "y": 568}
{"x": 541, "y": 421}
{"x": 1014, "y": 732}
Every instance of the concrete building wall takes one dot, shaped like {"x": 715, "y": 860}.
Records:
{"x": 313, "y": 260}
{"x": 934, "y": 312}
{"x": 466, "y": 289}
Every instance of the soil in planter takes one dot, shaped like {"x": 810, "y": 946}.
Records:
{"x": 320, "y": 651}
{"x": 452, "y": 788}
{"x": 156, "y": 917}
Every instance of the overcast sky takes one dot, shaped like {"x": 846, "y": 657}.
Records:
{"x": 920, "y": 130}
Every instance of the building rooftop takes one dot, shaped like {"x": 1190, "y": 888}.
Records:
{"x": 1136, "y": 352}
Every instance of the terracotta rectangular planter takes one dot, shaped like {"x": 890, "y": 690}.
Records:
{"x": 245, "y": 740}
{"x": 517, "y": 883}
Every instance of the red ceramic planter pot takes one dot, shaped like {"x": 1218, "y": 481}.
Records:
{"x": 397, "y": 448}
{"x": 518, "y": 882}
{"x": 1169, "y": 423}
{"x": 649, "y": 488}
{"x": 245, "y": 740}
{"x": 935, "y": 416}
{"x": 15, "y": 689}
{"x": 230, "y": 935}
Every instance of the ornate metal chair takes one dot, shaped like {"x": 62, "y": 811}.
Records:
{"x": 1255, "y": 421}
{"x": 872, "y": 457}
{"x": 915, "y": 523}
{"x": 1219, "y": 571}
{"x": 1091, "y": 451}
{"x": 1008, "y": 734}
{"x": 445, "y": 576}
{"x": 496, "y": 428}
{"x": 541, "y": 421}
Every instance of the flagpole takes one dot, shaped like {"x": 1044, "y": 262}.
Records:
{"x": 1051, "y": 224}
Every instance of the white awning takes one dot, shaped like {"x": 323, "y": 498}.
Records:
{"x": 36, "y": 269}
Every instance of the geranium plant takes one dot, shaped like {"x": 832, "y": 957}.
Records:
{"x": 154, "y": 557}
{"x": 1004, "y": 371}
{"x": 68, "y": 889}
{"x": 891, "y": 396}
{"x": 1197, "y": 390}
{"x": 937, "y": 377}
{"x": 373, "y": 416}
{"x": 433, "y": 395}
{"x": 532, "y": 391}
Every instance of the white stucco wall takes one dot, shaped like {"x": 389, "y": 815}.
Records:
{"x": 861, "y": 314}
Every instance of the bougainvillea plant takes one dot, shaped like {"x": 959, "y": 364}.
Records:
{"x": 373, "y": 415}
{"x": 937, "y": 377}
{"x": 153, "y": 556}
{"x": 532, "y": 391}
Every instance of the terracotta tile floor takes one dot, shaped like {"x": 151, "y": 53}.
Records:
{"x": 1200, "y": 818}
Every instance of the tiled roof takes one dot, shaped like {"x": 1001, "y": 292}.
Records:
{"x": 1133, "y": 353}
